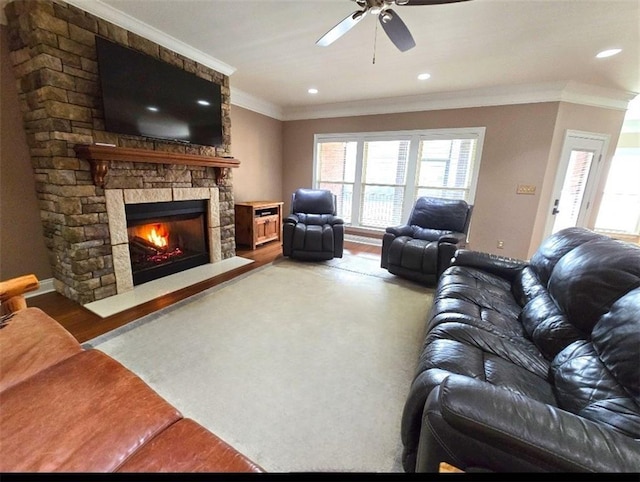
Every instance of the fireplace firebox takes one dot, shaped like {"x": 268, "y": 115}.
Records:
{"x": 166, "y": 238}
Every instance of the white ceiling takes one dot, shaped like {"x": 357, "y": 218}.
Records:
{"x": 475, "y": 46}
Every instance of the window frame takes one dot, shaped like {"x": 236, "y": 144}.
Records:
{"x": 415, "y": 137}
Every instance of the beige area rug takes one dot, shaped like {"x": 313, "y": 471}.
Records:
{"x": 301, "y": 366}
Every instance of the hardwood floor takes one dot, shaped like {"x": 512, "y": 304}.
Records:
{"x": 85, "y": 325}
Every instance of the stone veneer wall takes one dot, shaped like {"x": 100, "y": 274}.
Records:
{"x": 53, "y": 53}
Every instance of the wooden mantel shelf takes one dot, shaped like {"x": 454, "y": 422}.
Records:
{"x": 100, "y": 155}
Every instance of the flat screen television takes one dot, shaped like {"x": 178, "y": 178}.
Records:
{"x": 147, "y": 97}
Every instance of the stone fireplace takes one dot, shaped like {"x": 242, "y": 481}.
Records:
{"x": 83, "y": 199}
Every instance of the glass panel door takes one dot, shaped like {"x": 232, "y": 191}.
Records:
{"x": 573, "y": 189}
{"x": 575, "y": 186}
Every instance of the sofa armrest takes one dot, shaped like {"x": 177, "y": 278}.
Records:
{"x": 501, "y": 266}
{"x": 537, "y": 434}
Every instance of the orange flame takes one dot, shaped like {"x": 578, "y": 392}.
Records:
{"x": 158, "y": 236}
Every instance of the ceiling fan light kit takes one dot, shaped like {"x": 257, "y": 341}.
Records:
{"x": 391, "y": 22}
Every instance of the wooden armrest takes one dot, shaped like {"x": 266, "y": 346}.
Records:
{"x": 12, "y": 292}
{"x": 448, "y": 468}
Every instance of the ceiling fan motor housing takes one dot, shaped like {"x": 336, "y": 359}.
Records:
{"x": 391, "y": 22}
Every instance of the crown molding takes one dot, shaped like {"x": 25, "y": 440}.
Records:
{"x": 572, "y": 92}
{"x": 121, "y": 19}
{"x": 255, "y": 104}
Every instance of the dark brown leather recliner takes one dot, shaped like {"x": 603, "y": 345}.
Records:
{"x": 422, "y": 248}
{"x": 313, "y": 231}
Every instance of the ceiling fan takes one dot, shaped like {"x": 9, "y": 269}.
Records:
{"x": 391, "y": 22}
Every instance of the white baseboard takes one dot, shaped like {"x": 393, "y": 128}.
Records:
{"x": 46, "y": 286}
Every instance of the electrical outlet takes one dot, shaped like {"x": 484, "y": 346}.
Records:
{"x": 525, "y": 189}
{"x": 500, "y": 244}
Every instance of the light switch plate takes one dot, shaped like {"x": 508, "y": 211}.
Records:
{"x": 525, "y": 189}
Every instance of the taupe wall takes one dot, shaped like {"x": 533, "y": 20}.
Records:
{"x": 22, "y": 249}
{"x": 518, "y": 146}
{"x": 522, "y": 145}
{"x": 256, "y": 140}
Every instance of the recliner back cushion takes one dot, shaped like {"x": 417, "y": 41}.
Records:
{"x": 589, "y": 279}
{"x": 443, "y": 214}
{"x": 313, "y": 201}
{"x": 315, "y": 219}
{"x": 556, "y": 246}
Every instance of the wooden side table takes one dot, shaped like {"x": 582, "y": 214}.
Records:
{"x": 258, "y": 222}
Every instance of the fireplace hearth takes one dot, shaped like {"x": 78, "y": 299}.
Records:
{"x": 166, "y": 238}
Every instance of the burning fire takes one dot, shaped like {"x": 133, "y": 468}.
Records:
{"x": 158, "y": 236}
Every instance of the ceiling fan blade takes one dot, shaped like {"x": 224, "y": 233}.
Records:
{"x": 339, "y": 30}
{"x": 397, "y": 31}
{"x": 431, "y": 2}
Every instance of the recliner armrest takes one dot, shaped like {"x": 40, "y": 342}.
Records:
{"x": 333, "y": 220}
{"x": 537, "y": 433}
{"x": 504, "y": 267}
{"x": 291, "y": 219}
{"x": 453, "y": 238}
{"x": 401, "y": 230}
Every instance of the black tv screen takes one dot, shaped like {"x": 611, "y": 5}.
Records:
{"x": 144, "y": 96}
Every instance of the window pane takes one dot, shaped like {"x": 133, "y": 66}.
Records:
{"x": 344, "y": 194}
{"x": 432, "y": 173}
{"x": 442, "y": 193}
{"x": 447, "y": 163}
{"x": 620, "y": 207}
{"x": 337, "y": 161}
{"x": 381, "y": 206}
{"x": 385, "y": 162}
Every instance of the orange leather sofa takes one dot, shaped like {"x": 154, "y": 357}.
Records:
{"x": 67, "y": 409}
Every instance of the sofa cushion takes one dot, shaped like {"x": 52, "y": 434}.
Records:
{"x": 598, "y": 378}
{"x": 488, "y": 348}
{"x": 585, "y": 387}
{"x": 556, "y": 246}
{"x": 187, "y": 446}
{"x": 526, "y": 286}
{"x": 547, "y": 326}
{"x": 616, "y": 338}
{"x": 30, "y": 342}
{"x": 478, "y": 298}
{"x": 86, "y": 413}
{"x": 584, "y": 287}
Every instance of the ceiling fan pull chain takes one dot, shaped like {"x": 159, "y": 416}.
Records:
{"x": 375, "y": 38}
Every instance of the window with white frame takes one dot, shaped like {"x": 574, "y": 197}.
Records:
{"x": 377, "y": 177}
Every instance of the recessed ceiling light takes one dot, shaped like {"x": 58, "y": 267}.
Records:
{"x": 152, "y": 108}
{"x": 608, "y": 53}
{"x": 203, "y": 102}
{"x": 424, "y": 76}
{"x": 312, "y": 91}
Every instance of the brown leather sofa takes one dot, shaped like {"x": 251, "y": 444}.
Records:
{"x": 67, "y": 409}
